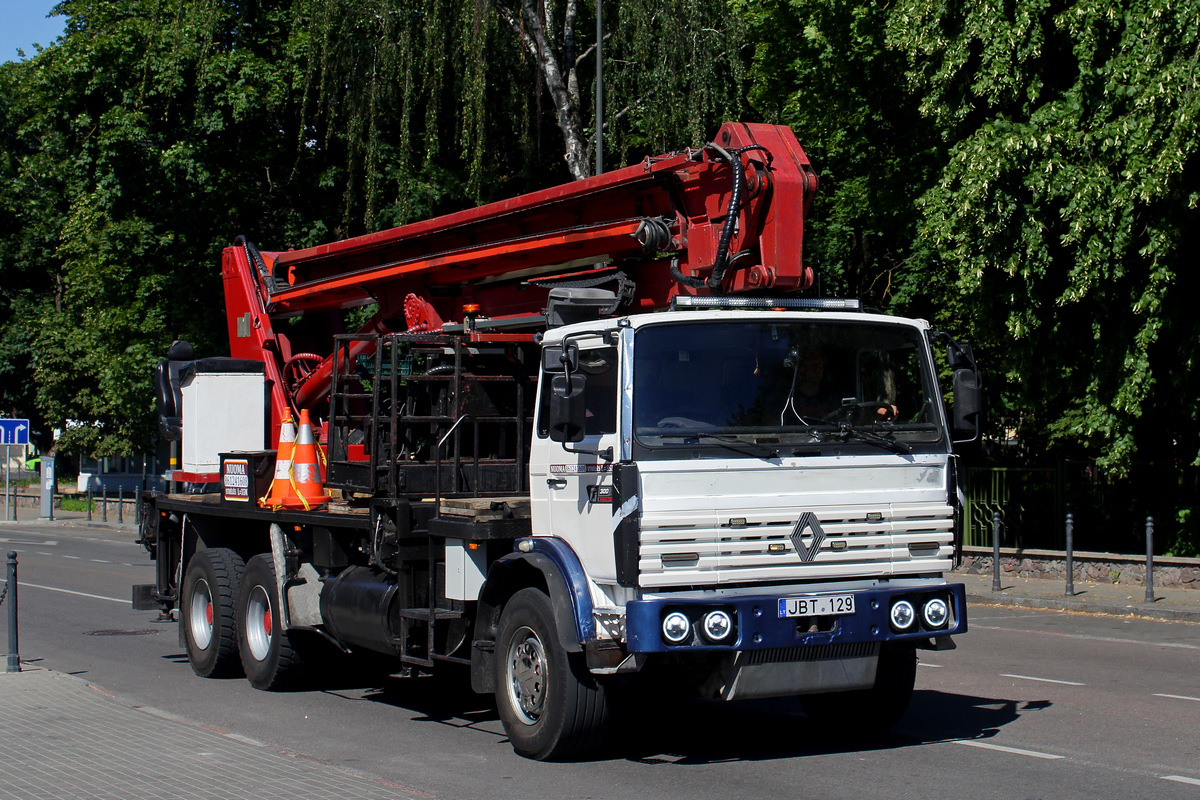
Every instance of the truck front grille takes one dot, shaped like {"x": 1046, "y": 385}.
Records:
{"x": 679, "y": 550}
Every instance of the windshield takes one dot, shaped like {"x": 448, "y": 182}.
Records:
{"x": 800, "y": 384}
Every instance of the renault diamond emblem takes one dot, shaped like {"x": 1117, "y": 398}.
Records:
{"x": 807, "y": 536}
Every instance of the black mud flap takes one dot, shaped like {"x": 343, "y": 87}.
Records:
{"x": 145, "y": 597}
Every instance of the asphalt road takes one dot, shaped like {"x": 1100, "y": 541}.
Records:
{"x": 1033, "y": 704}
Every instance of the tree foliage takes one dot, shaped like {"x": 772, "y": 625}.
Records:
{"x": 1067, "y": 210}
{"x": 824, "y": 68}
{"x": 1023, "y": 172}
{"x": 132, "y": 148}
{"x": 152, "y": 133}
{"x": 430, "y": 105}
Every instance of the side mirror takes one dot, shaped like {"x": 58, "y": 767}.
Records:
{"x": 960, "y": 355}
{"x": 567, "y": 413}
{"x": 557, "y": 358}
{"x": 966, "y": 416}
{"x": 968, "y": 402}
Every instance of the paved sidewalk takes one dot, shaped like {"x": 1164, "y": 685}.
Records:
{"x": 1123, "y": 600}
{"x": 27, "y": 515}
{"x": 65, "y": 739}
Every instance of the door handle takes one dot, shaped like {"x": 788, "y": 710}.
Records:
{"x": 556, "y": 483}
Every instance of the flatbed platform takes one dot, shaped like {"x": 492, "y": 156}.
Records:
{"x": 343, "y": 515}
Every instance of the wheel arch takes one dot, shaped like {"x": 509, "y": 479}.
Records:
{"x": 551, "y": 566}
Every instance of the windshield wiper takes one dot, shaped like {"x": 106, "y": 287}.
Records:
{"x": 848, "y": 431}
{"x": 727, "y": 441}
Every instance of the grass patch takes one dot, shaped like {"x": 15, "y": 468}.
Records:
{"x": 73, "y": 504}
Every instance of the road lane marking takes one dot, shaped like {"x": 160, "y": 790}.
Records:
{"x": 935, "y": 666}
{"x": 1014, "y": 750}
{"x": 46, "y": 543}
{"x": 100, "y": 561}
{"x": 1181, "y": 779}
{"x": 23, "y": 584}
{"x": 1042, "y": 680}
{"x": 77, "y": 558}
{"x": 1108, "y": 639}
{"x": 1177, "y": 697}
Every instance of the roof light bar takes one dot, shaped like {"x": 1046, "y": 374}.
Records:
{"x": 824, "y": 304}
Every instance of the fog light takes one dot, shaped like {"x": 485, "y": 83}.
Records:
{"x": 936, "y": 613}
{"x": 676, "y": 627}
{"x": 903, "y": 615}
{"x": 717, "y": 626}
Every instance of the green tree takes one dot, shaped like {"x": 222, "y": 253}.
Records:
{"x": 823, "y": 67}
{"x": 1068, "y": 211}
{"x": 23, "y": 237}
{"x": 1068, "y": 205}
{"x": 425, "y": 107}
{"x": 151, "y": 134}
{"x": 133, "y": 147}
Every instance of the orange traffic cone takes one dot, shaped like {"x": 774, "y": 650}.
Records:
{"x": 281, "y": 486}
{"x": 305, "y": 487}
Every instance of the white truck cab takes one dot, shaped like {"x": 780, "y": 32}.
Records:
{"x": 766, "y": 493}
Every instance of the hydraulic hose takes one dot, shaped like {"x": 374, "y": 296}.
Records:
{"x": 735, "y": 202}
{"x": 257, "y": 259}
{"x": 686, "y": 280}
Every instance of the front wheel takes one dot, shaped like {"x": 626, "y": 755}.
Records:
{"x": 551, "y": 706}
{"x": 207, "y": 598}
{"x": 869, "y": 712}
{"x": 268, "y": 655}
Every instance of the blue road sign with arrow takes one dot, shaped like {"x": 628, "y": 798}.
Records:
{"x": 14, "y": 431}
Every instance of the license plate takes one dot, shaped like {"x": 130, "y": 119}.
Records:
{"x": 821, "y": 605}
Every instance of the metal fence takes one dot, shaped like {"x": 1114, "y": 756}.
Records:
{"x": 1033, "y": 502}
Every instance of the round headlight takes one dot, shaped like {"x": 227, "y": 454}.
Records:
{"x": 903, "y": 615}
{"x": 717, "y": 625}
{"x": 936, "y": 613}
{"x": 676, "y": 627}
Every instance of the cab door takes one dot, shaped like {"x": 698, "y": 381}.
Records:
{"x": 575, "y": 479}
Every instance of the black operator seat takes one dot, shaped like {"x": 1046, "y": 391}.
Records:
{"x": 168, "y": 389}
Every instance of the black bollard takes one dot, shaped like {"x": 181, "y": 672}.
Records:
{"x": 89, "y": 501}
{"x": 104, "y": 503}
{"x": 120, "y": 505}
{"x": 1070, "y": 555}
{"x": 14, "y": 658}
{"x": 996, "y": 551}
{"x": 1149, "y": 559}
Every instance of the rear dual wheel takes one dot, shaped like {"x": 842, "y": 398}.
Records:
{"x": 207, "y": 603}
{"x": 268, "y": 655}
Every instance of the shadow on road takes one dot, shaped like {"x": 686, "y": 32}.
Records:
{"x": 941, "y": 716}
{"x": 705, "y": 732}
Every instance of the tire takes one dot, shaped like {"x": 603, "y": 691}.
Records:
{"x": 268, "y": 656}
{"x": 868, "y": 713}
{"x": 207, "y": 601}
{"x": 551, "y": 706}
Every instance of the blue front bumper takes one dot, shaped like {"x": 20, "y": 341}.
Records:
{"x": 758, "y": 626}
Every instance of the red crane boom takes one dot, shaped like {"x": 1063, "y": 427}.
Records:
{"x": 727, "y": 218}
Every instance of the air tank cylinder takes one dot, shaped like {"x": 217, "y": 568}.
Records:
{"x": 358, "y": 605}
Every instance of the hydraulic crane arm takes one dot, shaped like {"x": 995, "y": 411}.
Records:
{"x": 727, "y": 218}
